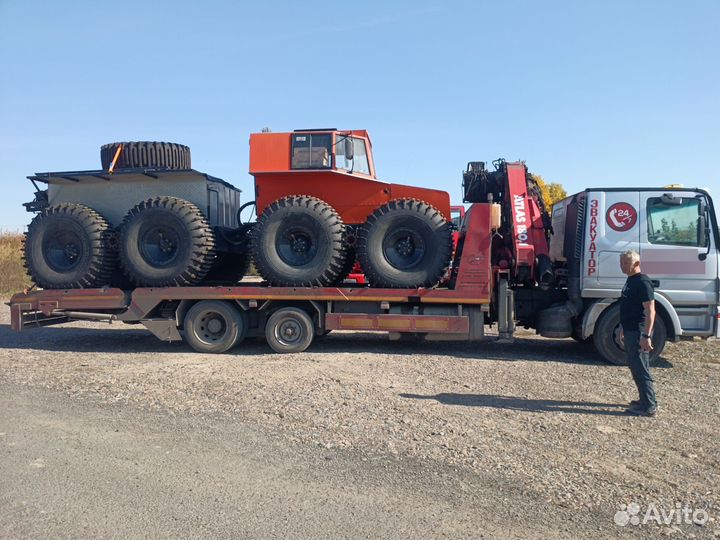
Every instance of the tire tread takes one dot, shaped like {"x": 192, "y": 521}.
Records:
{"x": 147, "y": 154}
{"x": 333, "y": 224}
{"x": 431, "y": 215}
{"x": 103, "y": 259}
{"x": 202, "y": 239}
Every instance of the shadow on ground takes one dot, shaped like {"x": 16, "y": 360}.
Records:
{"x": 125, "y": 338}
{"x": 522, "y": 404}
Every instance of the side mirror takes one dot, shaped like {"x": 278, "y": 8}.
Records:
{"x": 349, "y": 155}
{"x": 702, "y": 231}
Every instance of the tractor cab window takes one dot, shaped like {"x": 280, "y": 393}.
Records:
{"x": 359, "y": 163}
{"x": 311, "y": 150}
{"x": 675, "y": 221}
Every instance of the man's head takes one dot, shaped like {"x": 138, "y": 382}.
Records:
{"x": 630, "y": 262}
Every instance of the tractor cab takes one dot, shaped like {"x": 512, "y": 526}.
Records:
{"x": 345, "y": 152}
{"x": 341, "y": 151}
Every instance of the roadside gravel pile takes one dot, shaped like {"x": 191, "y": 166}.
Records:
{"x": 543, "y": 415}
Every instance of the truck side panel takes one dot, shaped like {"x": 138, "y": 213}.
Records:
{"x": 611, "y": 227}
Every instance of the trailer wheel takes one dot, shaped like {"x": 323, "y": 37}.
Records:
{"x": 406, "y": 243}
{"x": 146, "y": 154}
{"x": 606, "y": 337}
{"x": 298, "y": 241}
{"x": 68, "y": 246}
{"x": 212, "y": 326}
{"x": 289, "y": 330}
{"x": 166, "y": 241}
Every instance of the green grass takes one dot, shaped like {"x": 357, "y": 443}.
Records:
{"x": 13, "y": 277}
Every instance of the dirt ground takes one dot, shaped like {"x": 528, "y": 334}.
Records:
{"x": 542, "y": 416}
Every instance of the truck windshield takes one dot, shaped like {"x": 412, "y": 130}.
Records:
{"x": 359, "y": 163}
{"x": 311, "y": 150}
{"x": 674, "y": 224}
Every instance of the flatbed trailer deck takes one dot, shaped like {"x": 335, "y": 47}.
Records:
{"x": 428, "y": 311}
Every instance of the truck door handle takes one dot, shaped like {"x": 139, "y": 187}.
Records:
{"x": 655, "y": 283}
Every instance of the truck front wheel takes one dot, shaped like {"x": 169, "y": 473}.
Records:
{"x": 213, "y": 326}
{"x": 69, "y": 246}
{"x": 166, "y": 241}
{"x": 606, "y": 337}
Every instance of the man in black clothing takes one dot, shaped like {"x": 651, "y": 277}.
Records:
{"x": 637, "y": 317}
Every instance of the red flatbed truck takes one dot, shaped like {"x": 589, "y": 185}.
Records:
{"x": 509, "y": 268}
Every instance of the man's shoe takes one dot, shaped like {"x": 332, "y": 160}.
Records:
{"x": 639, "y": 411}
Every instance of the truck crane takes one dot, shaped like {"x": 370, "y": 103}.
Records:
{"x": 515, "y": 264}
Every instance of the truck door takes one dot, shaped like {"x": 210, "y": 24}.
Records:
{"x": 678, "y": 252}
{"x": 611, "y": 228}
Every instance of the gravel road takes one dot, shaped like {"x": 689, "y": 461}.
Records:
{"x": 530, "y": 433}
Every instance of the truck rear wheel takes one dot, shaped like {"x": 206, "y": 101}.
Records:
{"x": 405, "y": 243}
{"x": 213, "y": 326}
{"x": 289, "y": 330}
{"x": 147, "y": 155}
{"x": 166, "y": 241}
{"x": 298, "y": 241}
{"x": 606, "y": 337}
{"x": 68, "y": 246}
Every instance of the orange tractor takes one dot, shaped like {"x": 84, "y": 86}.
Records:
{"x": 320, "y": 206}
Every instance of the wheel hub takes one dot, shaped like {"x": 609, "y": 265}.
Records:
{"x": 405, "y": 247}
{"x": 297, "y": 246}
{"x": 71, "y": 252}
{"x": 214, "y": 326}
{"x": 289, "y": 331}
{"x": 63, "y": 249}
{"x": 617, "y": 332}
{"x": 211, "y": 327}
{"x": 300, "y": 244}
{"x": 159, "y": 245}
{"x": 166, "y": 244}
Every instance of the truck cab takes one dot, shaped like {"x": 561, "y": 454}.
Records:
{"x": 675, "y": 231}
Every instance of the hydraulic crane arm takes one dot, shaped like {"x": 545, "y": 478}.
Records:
{"x": 526, "y": 224}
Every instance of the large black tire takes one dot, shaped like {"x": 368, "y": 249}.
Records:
{"x": 406, "y": 243}
{"x": 606, "y": 337}
{"x": 299, "y": 241}
{"x": 147, "y": 155}
{"x": 289, "y": 330}
{"x": 68, "y": 246}
{"x": 166, "y": 241}
{"x": 213, "y": 326}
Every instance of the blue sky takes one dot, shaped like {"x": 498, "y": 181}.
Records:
{"x": 606, "y": 93}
